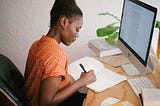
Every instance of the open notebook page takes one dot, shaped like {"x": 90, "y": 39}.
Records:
{"x": 105, "y": 77}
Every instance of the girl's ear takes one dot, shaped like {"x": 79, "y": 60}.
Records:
{"x": 63, "y": 21}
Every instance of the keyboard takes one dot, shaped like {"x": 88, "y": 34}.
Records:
{"x": 137, "y": 84}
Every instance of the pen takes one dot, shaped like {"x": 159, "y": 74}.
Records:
{"x": 141, "y": 100}
{"x": 82, "y": 67}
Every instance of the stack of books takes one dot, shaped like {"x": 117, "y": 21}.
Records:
{"x": 101, "y": 48}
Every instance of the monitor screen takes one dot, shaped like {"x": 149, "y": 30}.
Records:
{"x": 136, "y": 28}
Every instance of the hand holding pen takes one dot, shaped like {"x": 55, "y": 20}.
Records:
{"x": 87, "y": 77}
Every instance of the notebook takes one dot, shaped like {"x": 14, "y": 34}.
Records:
{"x": 151, "y": 97}
{"x": 115, "y": 60}
{"x": 106, "y": 78}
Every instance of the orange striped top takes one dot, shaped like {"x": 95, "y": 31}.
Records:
{"x": 45, "y": 59}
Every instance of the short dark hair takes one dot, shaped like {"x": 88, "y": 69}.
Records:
{"x": 67, "y": 8}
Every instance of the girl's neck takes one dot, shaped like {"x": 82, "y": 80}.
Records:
{"x": 53, "y": 33}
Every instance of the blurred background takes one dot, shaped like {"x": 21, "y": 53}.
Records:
{"x": 24, "y": 21}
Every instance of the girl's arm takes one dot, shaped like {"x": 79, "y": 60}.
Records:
{"x": 49, "y": 94}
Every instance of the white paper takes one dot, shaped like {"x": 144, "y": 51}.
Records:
{"x": 105, "y": 77}
{"x": 151, "y": 97}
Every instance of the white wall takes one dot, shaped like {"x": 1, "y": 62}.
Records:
{"x": 24, "y": 21}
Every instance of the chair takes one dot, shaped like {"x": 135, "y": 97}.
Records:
{"x": 11, "y": 83}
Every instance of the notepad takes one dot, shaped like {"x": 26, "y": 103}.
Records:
{"x": 106, "y": 78}
{"x": 151, "y": 97}
{"x": 115, "y": 60}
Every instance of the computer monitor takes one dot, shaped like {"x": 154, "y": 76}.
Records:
{"x": 135, "y": 34}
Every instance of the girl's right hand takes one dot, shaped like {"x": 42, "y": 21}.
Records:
{"x": 87, "y": 78}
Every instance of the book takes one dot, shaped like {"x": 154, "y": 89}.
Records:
{"x": 105, "y": 78}
{"x": 115, "y": 60}
{"x": 151, "y": 97}
{"x": 101, "y": 48}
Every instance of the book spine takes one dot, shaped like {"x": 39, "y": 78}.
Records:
{"x": 110, "y": 52}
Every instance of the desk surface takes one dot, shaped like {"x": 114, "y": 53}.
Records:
{"x": 122, "y": 91}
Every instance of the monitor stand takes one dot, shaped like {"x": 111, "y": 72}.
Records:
{"x": 131, "y": 70}
{"x": 149, "y": 68}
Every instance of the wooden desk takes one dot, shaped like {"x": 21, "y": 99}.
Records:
{"x": 122, "y": 91}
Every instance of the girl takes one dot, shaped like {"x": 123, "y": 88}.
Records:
{"x": 47, "y": 82}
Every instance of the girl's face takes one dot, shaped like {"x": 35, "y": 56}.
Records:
{"x": 71, "y": 30}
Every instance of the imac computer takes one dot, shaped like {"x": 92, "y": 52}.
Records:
{"x": 135, "y": 34}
